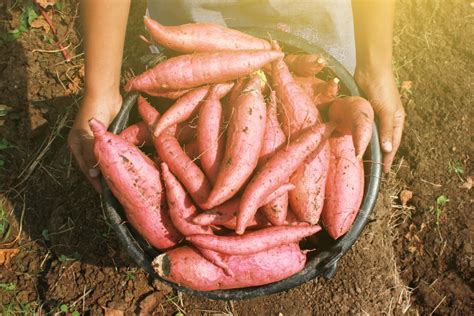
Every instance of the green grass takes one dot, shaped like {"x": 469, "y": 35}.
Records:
{"x": 14, "y": 306}
{"x": 69, "y": 310}
{"x": 8, "y": 287}
{"x": 75, "y": 256}
{"x": 456, "y": 168}
{"x": 441, "y": 202}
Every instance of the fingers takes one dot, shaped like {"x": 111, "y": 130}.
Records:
{"x": 92, "y": 172}
{"x": 398, "y": 122}
{"x": 385, "y": 116}
{"x": 81, "y": 146}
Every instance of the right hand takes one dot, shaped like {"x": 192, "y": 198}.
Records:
{"x": 80, "y": 138}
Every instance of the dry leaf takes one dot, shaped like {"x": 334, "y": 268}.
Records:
{"x": 40, "y": 23}
{"x": 405, "y": 196}
{"x": 415, "y": 245}
{"x": 467, "y": 184}
{"x": 73, "y": 85}
{"x": 6, "y": 255}
{"x": 45, "y": 3}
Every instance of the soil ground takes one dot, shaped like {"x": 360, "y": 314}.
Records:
{"x": 57, "y": 252}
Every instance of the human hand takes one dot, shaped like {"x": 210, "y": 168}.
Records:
{"x": 80, "y": 138}
{"x": 381, "y": 91}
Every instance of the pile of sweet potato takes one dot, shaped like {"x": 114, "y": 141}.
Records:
{"x": 244, "y": 164}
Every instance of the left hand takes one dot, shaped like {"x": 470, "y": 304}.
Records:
{"x": 381, "y": 91}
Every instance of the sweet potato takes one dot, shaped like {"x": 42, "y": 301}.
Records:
{"x": 210, "y": 136}
{"x": 137, "y": 134}
{"x": 182, "y": 210}
{"x": 307, "y": 201}
{"x": 275, "y": 211}
{"x": 189, "y": 174}
{"x": 149, "y": 114}
{"x": 305, "y": 65}
{"x": 353, "y": 116}
{"x": 219, "y": 214}
{"x": 192, "y": 150}
{"x": 234, "y": 93}
{"x": 273, "y": 137}
{"x": 278, "y": 169}
{"x": 257, "y": 241}
{"x": 228, "y": 210}
{"x": 170, "y": 94}
{"x": 344, "y": 187}
{"x": 135, "y": 181}
{"x": 244, "y": 142}
{"x": 297, "y": 110}
{"x": 327, "y": 94}
{"x": 169, "y": 150}
{"x": 180, "y": 205}
{"x": 259, "y": 221}
{"x": 226, "y": 216}
{"x": 187, "y": 131}
{"x": 185, "y": 266}
{"x": 292, "y": 98}
{"x": 320, "y": 91}
{"x": 202, "y": 37}
{"x": 189, "y": 71}
{"x": 181, "y": 110}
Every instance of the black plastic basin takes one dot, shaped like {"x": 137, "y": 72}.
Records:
{"x": 324, "y": 260}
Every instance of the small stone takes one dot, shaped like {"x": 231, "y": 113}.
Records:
{"x": 358, "y": 290}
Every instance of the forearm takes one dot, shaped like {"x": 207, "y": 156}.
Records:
{"x": 105, "y": 22}
{"x": 373, "y": 28}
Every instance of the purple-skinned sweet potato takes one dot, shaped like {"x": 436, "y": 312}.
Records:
{"x": 135, "y": 181}
{"x": 344, "y": 187}
{"x": 202, "y": 37}
{"x": 181, "y": 110}
{"x": 307, "y": 203}
{"x": 353, "y": 116}
{"x": 274, "y": 138}
{"x": 189, "y": 71}
{"x": 137, "y": 134}
{"x": 227, "y": 211}
{"x": 278, "y": 169}
{"x": 296, "y": 108}
{"x": 169, "y": 150}
{"x": 182, "y": 211}
{"x": 320, "y": 91}
{"x": 256, "y": 241}
{"x": 210, "y": 138}
{"x": 305, "y": 64}
{"x": 244, "y": 141}
{"x": 185, "y": 266}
